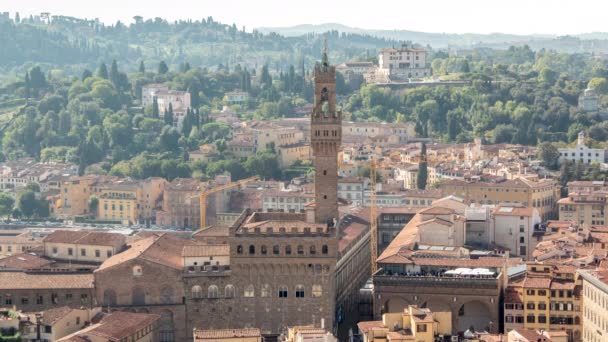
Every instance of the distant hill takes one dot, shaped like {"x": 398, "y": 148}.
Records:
{"x": 443, "y": 40}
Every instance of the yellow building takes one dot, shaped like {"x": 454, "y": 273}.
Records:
{"x": 121, "y": 202}
{"x": 541, "y": 195}
{"x": 228, "y": 335}
{"x": 595, "y": 305}
{"x": 413, "y": 323}
{"x": 74, "y": 195}
{"x": 548, "y": 298}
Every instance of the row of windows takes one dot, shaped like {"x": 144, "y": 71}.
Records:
{"x": 554, "y": 293}
{"x": 213, "y": 291}
{"x": 276, "y": 250}
{"x": 294, "y": 230}
{"x": 543, "y": 319}
{"x": 40, "y": 299}
{"x": 83, "y": 252}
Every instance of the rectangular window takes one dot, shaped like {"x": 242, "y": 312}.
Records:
{"x": 83, "y": 252}
{"x": 55, "y": 250}
{"x": 542, "y": 319}
{"x": 421, "y": 327}
{"x": 109, "y": 253}
{"x": 97, "y": 253}
{"x": 70, "y": 251}
{"x": 530, "y": 319}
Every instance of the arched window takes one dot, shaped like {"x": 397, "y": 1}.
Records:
{"x": 166, "y": 295}
{"x": 265, "y": 291}
{"x": 324, "y": 94}
{"x": 276, "y": 250}
{"x": 251, "y": 249}
{"x": 263, "y": 250}
{"x": 229, "y": 291}
{"x": 283, "y": 291}
{"x": 249, "y": 292}
{"x": 197, "y": 292}
{"x": 212, "y": 292}
{"x": 138, "y": 296}
{"x": 299, "y": 291}
{"x": 239, "y": 249}
{"x": 109, "y": 297}
{"x": 300, "y": 250}
{"x": 137, "y": 270}
{"x": 313, "y": 250}
{"x": 324, "y": 249}
{"x": 288, "y": 250}
{"x": 317, "y": 291}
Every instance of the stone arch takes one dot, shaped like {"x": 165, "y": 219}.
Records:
{"x": 395, "y": 304}
{"x": 474, "y": 314}
{"x": 109, "y": 297}
{"x": 437, "y": 304}
{"x": 166, "y": 327}
{"x": 138, "y": 296}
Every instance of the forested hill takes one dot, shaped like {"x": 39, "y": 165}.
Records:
{"x": 66, "y": 41}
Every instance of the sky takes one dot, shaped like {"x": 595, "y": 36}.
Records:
{"x": 558, "y": 17}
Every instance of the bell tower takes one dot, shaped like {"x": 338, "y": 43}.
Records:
{"x": 326, "y": 138}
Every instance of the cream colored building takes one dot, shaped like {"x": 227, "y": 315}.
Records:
{"x": 595, "y": 305}
{"x": 584, "y": 207}
{"x": 83, "y": 246}
{"x": 228, "y": 335}
{"x": 309, "y": 334}
{"x": 58, "y": 323}
{"x": 541, "y": 195}
{"x": 514, "y": 229}
{"x": 415, "y": 324}
{"x": 289, "y": 154}
{"x": 15, "y": 242}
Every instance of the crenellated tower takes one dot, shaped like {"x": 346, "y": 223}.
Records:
{"x": 326, "y": 137}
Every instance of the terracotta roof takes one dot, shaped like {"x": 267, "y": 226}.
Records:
{"x": 537, "y": 283}
{"x": 513, "y": 297}
{"x": 22, "y": 280}
{"x": 226, "y": 333}
{"x": 51, "y": 316}
{"x": 436, "y": 210}
{"x": 24, "y": 261}
{"x": 85, "y": 238}
{"x": 205, "y": 250}
{"x": 165, "y": 249}
{"x": 562, "y": 285}
{"x": 369, "y": 325}
{"x": 407, "y": 236}
{"x": 120, "y": 324}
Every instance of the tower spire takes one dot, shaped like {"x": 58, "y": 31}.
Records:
{"x": 324, "y": 60}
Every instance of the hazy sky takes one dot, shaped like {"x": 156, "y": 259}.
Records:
{"x": 452, "y": 16}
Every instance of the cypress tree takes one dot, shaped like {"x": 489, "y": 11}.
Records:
{"x": 28, "y": 90}
{"x": 162, "y": 67}
{"x": 102, "y": 71}
{"x": 155, "y": 107}
{"x": 422, "y": 175}
{"x": 142, "y": 67}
